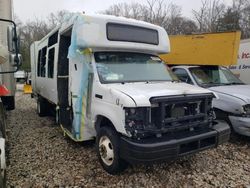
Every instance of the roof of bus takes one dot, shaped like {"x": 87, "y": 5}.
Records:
{"x": 91, "y": 32}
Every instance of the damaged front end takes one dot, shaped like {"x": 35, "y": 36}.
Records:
{"x": 170, "y": 114}
{"x": 172, "y": 127}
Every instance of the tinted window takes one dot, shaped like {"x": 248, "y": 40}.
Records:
{"x": 129, "y": 33}
{"x": 208, "y": 76}
{"x": 53, "y": 39}
{"x": 51, "y": 58}
{"x": 43, "y": 62}
{"x": 38, "y": 63}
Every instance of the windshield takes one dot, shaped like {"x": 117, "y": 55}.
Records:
{"x": 121, "y": 67}
{"x": 209, "y": 76}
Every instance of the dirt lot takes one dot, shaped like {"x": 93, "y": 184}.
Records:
{"x": 40, "y": 156}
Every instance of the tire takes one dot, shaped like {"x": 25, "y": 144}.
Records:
{"x": 221, "y": 115}
{"x": 107, "y": 141}
{"x": 8, "y": 102}
{"x": 42, "y": 107}
{"x": 3, "y": 179}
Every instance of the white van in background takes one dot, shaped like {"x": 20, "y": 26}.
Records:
{"x": 201, "y": 60}
{"x": 20, "y": 76}
{"x": 233, "y": 102}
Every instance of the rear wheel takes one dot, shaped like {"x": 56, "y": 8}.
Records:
{"x": 8, "y": 102}
{"x": 41, "y": 106}
{"x": 108, "y": 151}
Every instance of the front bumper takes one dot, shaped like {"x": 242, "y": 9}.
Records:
{"x": 241, "y": 125}
{"x": 166, "y": 149}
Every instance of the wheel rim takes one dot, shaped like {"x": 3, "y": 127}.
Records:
{"x": 106, "y": 150}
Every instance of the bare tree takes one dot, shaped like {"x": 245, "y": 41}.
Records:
{"x": 35, "y": 30}
{"x": 157, "y": 12}
{"x": 209, "y": 14}
{"x": 55, "y": 19}
{"x": 242, "y": 8}
{"x": 245, "y": 22}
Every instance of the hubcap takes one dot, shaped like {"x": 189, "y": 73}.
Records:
{"x": 106, "y": 150}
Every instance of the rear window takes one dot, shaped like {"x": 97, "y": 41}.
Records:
{"x": 130, "y": 33}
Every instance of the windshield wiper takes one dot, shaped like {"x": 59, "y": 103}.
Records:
{"x": 153, "y": 81}
{"x": 233, "y": 83}
{"x": 211, "y": 84}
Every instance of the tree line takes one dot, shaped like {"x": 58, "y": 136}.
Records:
{"x": 212, "y": 16}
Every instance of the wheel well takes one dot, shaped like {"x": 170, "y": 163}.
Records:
{"x": 220, "y": 114}
{"x": 102, "y": 121}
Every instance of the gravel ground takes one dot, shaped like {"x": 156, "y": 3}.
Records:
{"x": 40, "y": 156}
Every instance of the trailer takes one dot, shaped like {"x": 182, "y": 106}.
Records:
{"x": 204, "y": 63}
{"x": 242, "y": 68}
{"x": 103, "y": 77}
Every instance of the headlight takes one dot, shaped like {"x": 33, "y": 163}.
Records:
{"x": 135, "y": 119}
{"x": 246, "y": 109}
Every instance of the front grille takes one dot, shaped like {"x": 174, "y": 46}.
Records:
{"x": 181, "y": 112}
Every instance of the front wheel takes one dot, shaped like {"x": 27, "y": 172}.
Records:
{"x": 108, "y": 151}
{"x": 41, "y": 107}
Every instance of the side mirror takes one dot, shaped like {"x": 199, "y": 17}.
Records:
{"x": 13, "y": 46}
{"x": 16, "y": 60}
{"x": 13, "y": 39}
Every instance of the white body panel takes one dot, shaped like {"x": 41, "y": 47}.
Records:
{"x": 231, "y": 100}
{"x": 242, "y": 69}
{"x": 88, "y": 36}
{"x": 142, "y": 92}
{"x": 46, "y": 87}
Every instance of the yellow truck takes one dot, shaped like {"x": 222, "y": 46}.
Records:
{"x": 204, "y": 49}
{"x": 200, "y": 60}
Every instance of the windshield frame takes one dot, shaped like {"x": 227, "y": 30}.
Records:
{"x": 207, "y": 85}
{"x": 102, "y": 81}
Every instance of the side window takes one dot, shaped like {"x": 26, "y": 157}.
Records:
{"x": 51, "y": 58}
{"x": 183, "y": 75}
{"x": 53, "y": 39}
{"x": 39, "y": 64}
{"x": 43, "y": 62}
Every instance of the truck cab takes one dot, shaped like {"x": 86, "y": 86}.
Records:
{"x": 103, "y": 76}
{"x": 233, "y": 102}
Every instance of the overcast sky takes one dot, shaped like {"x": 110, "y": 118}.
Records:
{"x": 29, "y": 9}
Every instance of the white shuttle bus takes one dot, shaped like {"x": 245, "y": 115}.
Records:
{"x": 103, "y": 77}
